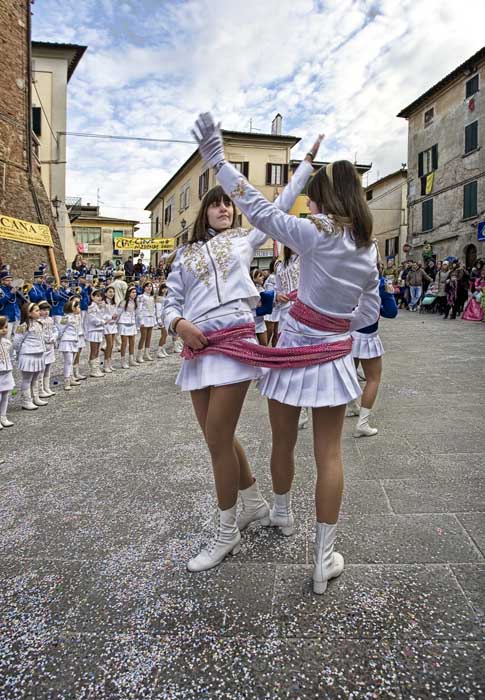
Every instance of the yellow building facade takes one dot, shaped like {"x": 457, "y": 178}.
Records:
{"x": 95, "y": 236}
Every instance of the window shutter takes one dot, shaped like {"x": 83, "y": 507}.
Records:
{"x": 200, "y": 186}
{"x": 285, "y": 174}
{"x": 36, "y": 120}
{"x": 268, "y": 173}
{"x": 420, "y": 165}
{"x": 423, "y": 186}
{"x": 245, "y": 169}
{"x": 434, "y": 157}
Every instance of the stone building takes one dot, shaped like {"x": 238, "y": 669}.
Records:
{"x": 387, "y": 200}
{"x": 446, "y": 164}
{"x": 22, "y": 193}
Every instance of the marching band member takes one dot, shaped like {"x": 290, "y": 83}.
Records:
{"x": 84, "y": 291}
{"x": 38, "y": 291}
{"x": 59, "y": 297}
{"x": 110, "y": 315}
{"x": 69, "y": 329}
{"x": 338, "y": 292}
{"x": 10, "y": 301}
{"x": 50, "y": 333}
{"x": 30, "y": 346}
{"x": 6, "y": 372}
{"x": 94, "y": 326}
{"x": 127, "y": 327}
{"x": 146, "y": 321}
{"x": 210, "y": 285}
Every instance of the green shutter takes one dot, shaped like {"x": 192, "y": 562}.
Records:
{"x": 434, "y": 157}
{"x": 470, "y": 192}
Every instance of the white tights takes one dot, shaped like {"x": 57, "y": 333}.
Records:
{"x": 46, "y": 377}
{"x": 29, "y": 380}
{"x": 68, "y": 363}
{"x": 3, "y": 402}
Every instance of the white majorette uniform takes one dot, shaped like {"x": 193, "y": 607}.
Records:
{"x": 160, "y": 311}
{"x": 270, "y": 286}
{"x": 69, "y": 328}
{"x": 210, "y": 286}
{"x": 94, "y": 323}
{"x": 30, "y": 346}
{"x": 366, "y": 346}
{"x": 6, "y": 368}
{"x": 336, "y": 277}
{"x": 110, "y": 325}
{"x": 127, "y": 318}
{"x": 50, "y": 333}
{"x": 259, "y": 320}
{"x": 145, "y": 312}
{"x": 287, "y": 280}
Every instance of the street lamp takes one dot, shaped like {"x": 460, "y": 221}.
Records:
{"x": 56, "y": 203}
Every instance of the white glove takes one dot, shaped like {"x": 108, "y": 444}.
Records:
{"x": 208, "y": 136}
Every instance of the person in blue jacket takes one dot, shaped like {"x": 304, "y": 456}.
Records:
{"x": 367, "y": 349}
{"x": 10, "y": 302}
{"x": 38, "y": 291}
{"x": 60, "y": 296}
{"x": 84, "y": 294}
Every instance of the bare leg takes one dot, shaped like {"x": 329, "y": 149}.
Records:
{"x": 274, "y": 339}
{"x": 284, "y": 429}
{"x": 327, "y": 432}
{"x": 141, "y": 342}
{"x": 131, "y": 344}
{"x": 262, "y": 338}
{"x": 148, "y": 338}
{"x": 372, "y": 370}
{"x": 108, "y": 352}
{"x": 124, "y": 343}
{"x": 93, "y": 351}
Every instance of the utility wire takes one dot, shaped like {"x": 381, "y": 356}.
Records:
{"x": 122, "y": 138}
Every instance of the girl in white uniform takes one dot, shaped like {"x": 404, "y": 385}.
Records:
{"x": 209, "y": 289}
{"x": 6, "y": 372}
{"x": 338, "y": 273}
{"x": 50, "y": 332}
{"x": 260, "y": 323}
{"x": 146, "y": 321}
{"x": 160, "y": 318}
{"x": 287, "y": 281}
{"x": 127, "y": 327}
{"x": 70, "y": 330}
{"x": 94, "y": 323}
{"x": 110, "y": 316}
{"x": 30, "y": 348}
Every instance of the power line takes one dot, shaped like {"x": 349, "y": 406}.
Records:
{"x": 122, "y": 138}
{"x": 45, "y": 114}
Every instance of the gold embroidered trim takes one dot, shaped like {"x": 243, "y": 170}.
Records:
{"x": 240, "y": 189}
{"x": 323, "y": 225}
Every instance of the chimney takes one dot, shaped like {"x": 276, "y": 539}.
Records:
{"x": 276, "y": 125}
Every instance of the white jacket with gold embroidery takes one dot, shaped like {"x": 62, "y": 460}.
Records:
{"x": 208, "y": 274}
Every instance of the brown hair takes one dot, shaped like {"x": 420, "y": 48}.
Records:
{"x": 25, "y": 311}
{"x": 216, "y": 195}
{"x": 69, "y": 305}
{"x": 287, "y": 253}
{"x": 106, "y": 297}
{"x": 3, "y": 322}
{"x": 127, "y": 296}
{"x": 340, "y": 196}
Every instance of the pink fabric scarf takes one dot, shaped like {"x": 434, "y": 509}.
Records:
{"x": 233, "y": 342}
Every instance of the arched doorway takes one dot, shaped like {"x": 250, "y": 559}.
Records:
{"x": 470, "y": 253}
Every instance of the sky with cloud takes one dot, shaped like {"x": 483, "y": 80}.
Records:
{"x": 345, "y": 67}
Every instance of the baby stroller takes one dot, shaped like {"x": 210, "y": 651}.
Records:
{"x": 428, "y": 302}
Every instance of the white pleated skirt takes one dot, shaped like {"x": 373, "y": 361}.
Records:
{"x": 95, "y": 336}
{"x": 111, "y": 329}
{"x": 68, "y": 346}
{"x": 6, "y": 381}
{"x": 260, "y": 324}
{"x": 127, "y": 329}
{"x": 50, "y": 356}
{"x": 329, "y": 384}
{"x": 81, "y": 342}
{"x": 147, "y": 321}
{"x": 274, "y": 317}
{"x": 217, "y": 370}
{"x": 31, "y": 363}
{"x": 366, "y": 346}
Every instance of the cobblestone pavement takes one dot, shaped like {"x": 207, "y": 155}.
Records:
{"x": 107, "y": 491}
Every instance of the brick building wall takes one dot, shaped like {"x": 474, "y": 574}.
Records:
{"x": 22, "y": 194}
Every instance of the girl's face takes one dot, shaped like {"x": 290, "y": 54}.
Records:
{"x": 313, "y": 208}
{"x": 35, "y": 313}
{"x": 133, "y": 294}
{"x": 76, "y": 307}
{"x": 148, "y": 289}
{"x": 4, "y": 331}
{"x": 220, "y": 215}
{"x": 96, "y": 298}
{"x": 44, "y": 313}
{"x": 259, "y": 278}
{"x": 110, "y": 294}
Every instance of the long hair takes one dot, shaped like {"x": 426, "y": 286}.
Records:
{"x": 127, "y": 297}
{"x": 106, "y": 297}
{"x": 25, "y": 311}
{"x": 70, "y": 303}
{"x": 287, "y": 253}
{"x": 216, "y": 195}
{"x": 338, "y": 193}
{"x": 146, "y": 285}
{"x": 3, "y": 322}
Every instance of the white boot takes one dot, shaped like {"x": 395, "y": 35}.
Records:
{"x": 147, "y": 356}
{"x": 353, "y": 409}
{"x": 40, "y": 389}
{"x": 47, "y": 387}
{"x": 107, "y": 366}
{"x": 328, "y": 564}
{"x": 5, "y": 422}
{"x": 303, "y": 418}
{"x": 178, "y": 345}
{"x": 139, "y": 357}
{"x": 124, "y": 363}
{"x": 77, "y": 374}
{"x": 227, "y": 541}
{"x": 27, "y": 403}
{"x": 363, "y": 428}
{"x": 133, "y": 362}
{"x": 281, "y": 514}
{"x": 161, "y": 353}
{"x": 95, "y": 369}
{"x": 112, "y": 369}
{"x": 67, "y": 384}
{"x": 254, "y": 507}
{"x": 35, "y": 396}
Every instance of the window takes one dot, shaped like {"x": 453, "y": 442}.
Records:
{"x": 184, "y": 197}
{"x": 157, "y": 225}
{"x": 470, "y": 192}
{"x": 276, "y": 174}
{"x": 369, "y": 194}
{"x": 168, "y": 212}
{"x": 428, "y": 117}
{"x": 243, "y": 167}
{"x": 392, "y": 245}
{"x": 187, "y": 197}
{"x": 427, "y": 215}
{"x": 471, "y": 137}
{"x": 471, "y": 86}
{"x": 428, "y": 161}
{"x": 203, "y": 183}
{"x": 37, "y": 120}
{"x": 88, "y": 234}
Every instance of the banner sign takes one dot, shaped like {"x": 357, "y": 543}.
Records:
{"x": 25, "y": 231}
{"x": 165, "y": 244}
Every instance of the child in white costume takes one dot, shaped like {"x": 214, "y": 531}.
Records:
{"x": 30, "y": 347}
{"x": 50, "y": 338}
{"x": 110, "y": 316}
{"x": 160, "y": 318}
{"x": 6, "y": 372}
{"x": 338, "y": 273}
{"x": 70, "y": 332}
{"x": 146, "y": 320}
{"x": 210, "y": 286}
{"x": 94, "y": 324}
{"x": 127, "y": 327}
